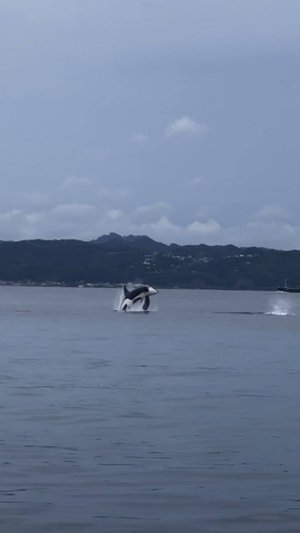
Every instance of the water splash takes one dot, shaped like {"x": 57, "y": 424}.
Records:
{"x": 280, "y": 306}
{"x": 118, "y": 300}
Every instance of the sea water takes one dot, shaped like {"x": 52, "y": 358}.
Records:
{"x": 181, "y": 420}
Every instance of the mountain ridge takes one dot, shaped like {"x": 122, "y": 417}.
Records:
{"x": 114, "y": 259}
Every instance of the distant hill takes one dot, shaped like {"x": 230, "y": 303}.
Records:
{"x": 113, "y": 259}
{"x": 140, "y": 242}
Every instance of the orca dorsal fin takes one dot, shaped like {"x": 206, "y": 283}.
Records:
{"x": 126, "y": 291}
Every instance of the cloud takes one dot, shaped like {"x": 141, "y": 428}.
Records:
{"x": 32, "y": 199}
{"x": 75, "y": 181}
{"x": 161, "y": 229}
{"x": 114, "y": 214}
{"x": 272, "y": 234}
{"x": 185, "y": 126}
{"x": 167, "y": 231}
{"x": 88, "y": 220}
{"x": 203, "y": 212}
{"x": 12, "y": 225}
{"x": 62, "y": 221}
{"x": 9, "y": 216}
{"x": 271, "y": 212}
{"x": 71, "y": 210}
{"x": 139, "y": 138}
{"x": 151, "y": 212}
{"x": 111, "y": 193}
{"x": 60, "y": 214}
{"x": 210, "y": 227}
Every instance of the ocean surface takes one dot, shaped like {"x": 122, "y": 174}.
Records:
{"x": 181, "y": 420}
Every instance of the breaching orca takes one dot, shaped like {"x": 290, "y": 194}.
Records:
{"x": 141, "y": 293}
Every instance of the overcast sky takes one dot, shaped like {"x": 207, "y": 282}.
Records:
{"x": 178, "y": 119}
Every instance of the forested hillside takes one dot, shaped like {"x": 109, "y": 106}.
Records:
{"x": 112, "y": 260}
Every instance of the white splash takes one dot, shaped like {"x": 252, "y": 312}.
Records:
{"x": 280, "y": 306}
{"x": 118, "y": 300}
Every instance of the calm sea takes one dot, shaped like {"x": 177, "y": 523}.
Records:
{"x": 185, "y": 420}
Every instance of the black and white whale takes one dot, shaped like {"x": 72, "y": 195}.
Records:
{"x": 140, "y": 293}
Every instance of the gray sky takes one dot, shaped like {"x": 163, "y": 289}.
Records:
{"x": 178, "y": 119}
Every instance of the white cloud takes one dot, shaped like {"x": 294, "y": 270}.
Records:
{"x": 271, "y": 212}
{"x": 194, "y": 233}
{"x": 111, "y": 193}
{"x": 267, "y": 233}
{"x": 71, "y": 210}
{"x": 114, "y": 214}
{"x": 276, "y": 234}
{"x": 62, "y": 221}
{"x": 162, "y": 229}
{"x": 9, "y": 216}
{"x": 139, "y": 138}
{"x": 75, "y": 189}
{"x": 185, "y": 126}
{"x": 210, "y": 227}
{"x": 86, "y": 220}
{"x": 151, "y": 212}
{"x": 74, "y": 181}
{"x": 11, "y": 225}
{"x": 203, "y": 212}
{"x": 268, "y": 227}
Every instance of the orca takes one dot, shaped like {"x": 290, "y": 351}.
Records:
{"x": 138, "y": 293}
